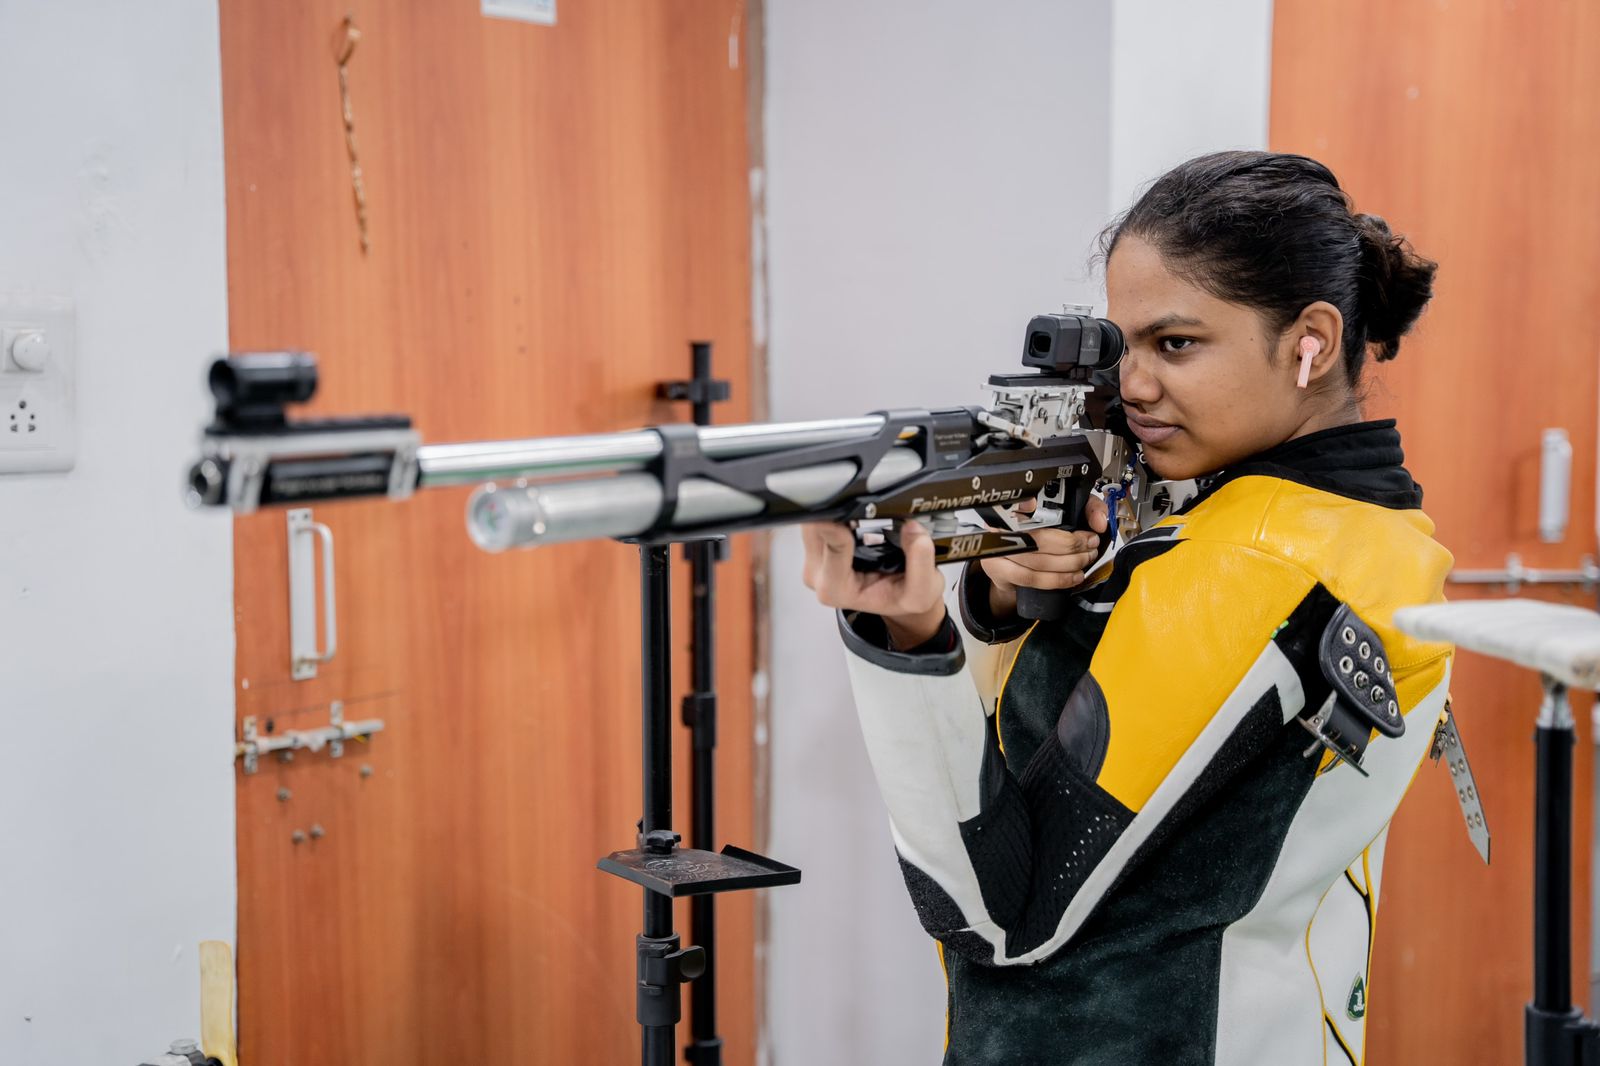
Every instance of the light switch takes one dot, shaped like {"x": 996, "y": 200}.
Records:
{"x": 30, "y": 350}
{"x": 38, "y": 389}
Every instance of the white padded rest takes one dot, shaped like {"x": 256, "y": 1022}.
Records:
{"x": 1551, "y": 638}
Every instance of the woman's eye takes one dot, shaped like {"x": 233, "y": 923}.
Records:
{"x": 1174, "y": 344}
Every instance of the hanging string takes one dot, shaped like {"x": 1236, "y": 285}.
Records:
{"x": 346, "y": 49}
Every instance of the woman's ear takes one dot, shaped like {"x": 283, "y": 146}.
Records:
{"x": 1316, "y": 341}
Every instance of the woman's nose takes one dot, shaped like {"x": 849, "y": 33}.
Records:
{"x": 1137, "y": 383}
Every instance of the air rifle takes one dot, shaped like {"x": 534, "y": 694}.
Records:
{"x": 983, "y": 479}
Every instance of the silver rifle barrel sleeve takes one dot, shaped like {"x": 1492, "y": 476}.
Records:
{"x": 601, "y": 453}
{"x": 525, "y": 516}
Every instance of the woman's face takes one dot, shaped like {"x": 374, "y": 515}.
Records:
{"x": 1203, "y": 383}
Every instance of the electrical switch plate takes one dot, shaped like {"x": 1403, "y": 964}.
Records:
{"x": 38, "y": 388}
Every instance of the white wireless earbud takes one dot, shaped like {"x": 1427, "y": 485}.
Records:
{"x": 1310, "y": 348}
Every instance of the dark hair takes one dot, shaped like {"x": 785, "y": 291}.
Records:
{"x": 1275, "y": 232}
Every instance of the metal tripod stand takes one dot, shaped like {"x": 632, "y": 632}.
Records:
{"x": 665, "y": 870}
{"x": 1563, "y": 644}
{"x": 701, "y": 390}
{"x": 1555, "y": 1033}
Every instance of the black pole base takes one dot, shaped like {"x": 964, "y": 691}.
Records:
{"x": 1555, "y": 1033}
{"x": 704, "y": 1052}
{"x": 1566, "y": 1038}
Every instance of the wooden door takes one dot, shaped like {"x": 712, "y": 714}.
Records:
{"x": 1471, "y": 127}
{"x": 554, "y": 212}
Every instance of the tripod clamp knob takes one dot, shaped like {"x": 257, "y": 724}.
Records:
{"x": 675, "y": 967}
{"x": 663, "y": 966}
{"x": 696, "y": 390}
{"x": 659, "y": 841}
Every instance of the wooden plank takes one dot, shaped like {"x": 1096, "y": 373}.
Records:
{"x": 1470, "y": 126}
{"x": 217, "y": 980}
{"x": 554, "y": 213}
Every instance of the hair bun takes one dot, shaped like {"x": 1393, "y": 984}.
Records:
{"x": 1396, "y": 284}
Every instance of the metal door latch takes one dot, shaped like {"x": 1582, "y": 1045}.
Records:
{"x": 255, "y": 743}
{"x": 1515, "y": 575}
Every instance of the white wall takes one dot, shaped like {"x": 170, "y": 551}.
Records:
{"x": 936, "y": 173}
{"x": 1186, "y": 78}
{"x": 116, "y": 632}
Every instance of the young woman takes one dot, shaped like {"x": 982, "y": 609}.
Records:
{"x": 1112, "y": 823}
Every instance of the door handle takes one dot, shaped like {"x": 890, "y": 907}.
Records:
{"x": 304, "y": 653}
{"x": 1555, "y": 485}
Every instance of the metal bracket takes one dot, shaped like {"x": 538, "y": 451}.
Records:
{"x": 1317, "y": 726}
{"x": 1515, "y": 575}
{"x": 1447, "y": 745}
{"x": 255, "y": 743}
{"x": 1030, "y": 413}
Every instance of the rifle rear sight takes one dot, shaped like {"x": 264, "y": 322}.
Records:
{"x": 1074, "y": 346}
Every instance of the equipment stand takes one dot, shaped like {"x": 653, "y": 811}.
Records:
{"x": 1555, "y": 1032}
{"x": 700, "y": 715}
{"x": 665, "y": 870}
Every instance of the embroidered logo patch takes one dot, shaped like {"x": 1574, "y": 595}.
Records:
{"x": 1356, "y": 1006}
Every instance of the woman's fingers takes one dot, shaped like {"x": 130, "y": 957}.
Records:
{"x": 832, "y": 536}
{"x": 1065, "y": 541}
{"x": 821, "y": 539}
{"x": 1009, "y": 571}
{"x": 918, "y": 548}
{"x": 837, "y": 580}
{"x": 1060, "y": 550}
{"x": 1051, "y": 563}
{"x": 1059, "y": 563}
{"x": 1097, "y": 514}
{"x": 830, "y": 572}
{"x": 924, "y": 585}
{"x": 812, "y": 539}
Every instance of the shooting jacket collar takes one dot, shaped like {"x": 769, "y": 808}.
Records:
{"x": 1362, "y": 461}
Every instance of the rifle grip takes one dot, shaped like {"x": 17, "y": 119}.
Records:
{"x": 1050, "y": 605}
{"x": 1045, "y": 605}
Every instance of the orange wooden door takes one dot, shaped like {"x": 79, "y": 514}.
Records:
{"x": 1471, "y": 127}
{"x": 554, "y": 212}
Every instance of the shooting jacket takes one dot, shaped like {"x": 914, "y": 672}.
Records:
{"x": 1110, "y": 822}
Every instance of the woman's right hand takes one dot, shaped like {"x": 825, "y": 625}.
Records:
{"x": 911, "y": 603}
{"x": 1059, "y": 563}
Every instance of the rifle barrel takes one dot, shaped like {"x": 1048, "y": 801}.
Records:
{"x": 602, "y": 453}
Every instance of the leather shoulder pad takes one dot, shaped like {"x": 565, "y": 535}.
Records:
{"x": 1354, "y": 662}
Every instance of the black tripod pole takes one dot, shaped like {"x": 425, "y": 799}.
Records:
{"x": 659, "y": 1002}
{"x": 700, "y": 715}
{"x": 1555, "y": 1032}
{"x": 700, "y": 710}
{"x": 663, "y": 966}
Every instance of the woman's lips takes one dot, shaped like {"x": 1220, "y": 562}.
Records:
{"x": 1149, "y": 431}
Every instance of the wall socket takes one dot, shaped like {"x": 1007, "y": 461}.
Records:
{"x": 38, "y": 387}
